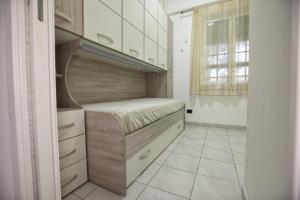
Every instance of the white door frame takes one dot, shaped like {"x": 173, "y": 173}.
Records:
{"x": 28, "y": 145}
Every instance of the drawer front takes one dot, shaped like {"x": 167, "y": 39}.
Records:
{"x": 150, "y": 51}
{"x": 140, "y": 161}
{"x": 162, "y": 58}
{"x": 71, "y": 150}
{"x": 102, "y": 25}
{"x": 133, "y": 11}
{"x": 116, "y": 5}
{"x": 133, "y": 43}
{"x": 162, "y": 17}
{"x": 152, "y": 6}
{"x": 70, "y": 124}
{"x": 150, "y": 26}
{"x": 162, "y": 38}
{"x": 72, "y": 177}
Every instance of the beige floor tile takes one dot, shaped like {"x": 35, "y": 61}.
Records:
{"x": 221, "y": 131}
{"x": 148, "y": 174}
{"x": 218, "y": 170}
{"x": 240, "y": 171}
{"x": 101, "y": 193}
{"x": 155, "y": 194}
{"x": 85, "y": 190}
{"x": 174, "y": 181}
{"x": 183, "y": 162}
{"x": 237, "y": 140}
{"x": 192, "y": 141}
{"x": 215, "y": 136}
{"x": 171, "y": 147}
{"x": 162, "y": 158}
{"x": 239, "y": 158}
{"x": 196, "y": 134}
{"x": 207, "y": 188}
{"x": 217, "y": 144}
{"x": 134, "y": 191}
{"x": 238, "y": 147}
{"x": 71, "y": 197}
{"x": 218, "y": 155}
{"x": 189, "y": 149}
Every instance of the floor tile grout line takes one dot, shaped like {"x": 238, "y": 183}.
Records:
{"x": 167, "y": 192}
{"x": 198, "y": 164}
{"x": 91, "y": 191}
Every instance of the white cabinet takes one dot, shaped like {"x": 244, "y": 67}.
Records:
{"x": 133, "y": 41}
{"x": 162, "y": 38}
{"x": 152, "y": 6}
{"x": 162, "y": 58}
{"x": 150, "y": 26}
{"x": 162, "y": 17}
{"x": 102, "y": 25}
{"x": 150, "y": 51}
{"x": 116, "y": 5}
{"x": 133, "y": 11}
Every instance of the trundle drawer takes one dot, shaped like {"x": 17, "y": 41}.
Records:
{"x": 71, "y": 151}
{"x": 70, "y": 123}
{"x": 73, "y": 176}
{"x": 140, "y": 161}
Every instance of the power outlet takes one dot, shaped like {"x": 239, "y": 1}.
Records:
{"x": 189, "y": 111}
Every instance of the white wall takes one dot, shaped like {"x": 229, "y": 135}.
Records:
{"x": 270, "y": 140}
{"x": 206, "y": 109}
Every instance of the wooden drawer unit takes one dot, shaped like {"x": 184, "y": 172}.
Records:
{"x": 133, "y": 11}
{"x": 102, "y": 25}
{"x": 152, "y": 6}
{"x": 150, "y": 26}
{"x": 70, "y": 123}
{"x": 68, "y": 15}
{"x": 150, "y": 51}
{"x": 72, "y": 177}
{"x": 162, "y": 58}
{"x": 133, "y": 41}
{"x": 71, "y": 151}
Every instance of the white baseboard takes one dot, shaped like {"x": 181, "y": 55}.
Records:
{"x": 236, "y": 127}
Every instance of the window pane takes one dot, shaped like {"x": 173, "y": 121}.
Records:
{"x": 212, "y": 50}
{"x": 212, "y": 80}
{"x": 223, "y": 49}
{"x": 241, "y": 79}
{"x": 222, "y": 72}
{"x": 212, "y": 72}
{"x": 222, "y": 59}
{"x": 241, "y": 71}
{"x": 241, "y": 57}
{"x": 222, "y": 80}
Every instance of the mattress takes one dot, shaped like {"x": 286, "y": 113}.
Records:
{"x": 134, "y": 114}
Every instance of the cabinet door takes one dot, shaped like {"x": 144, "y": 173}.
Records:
{"x": 162, "y": 58}
{"x": 116, "y": 5}
{"x": 102, "y": 25}
{"x": 162, "y": 38}
{"x": 152, "y": 6}
{"x": 162, "y": 17}
{"x": 150, "y": 51}
{"x": 150, "y": 26}
{"x": 133, "y": 11}
{"x": 68, "y": 15}
{"x": 133, "y": 43}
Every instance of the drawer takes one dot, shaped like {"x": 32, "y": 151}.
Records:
{"x": 162, "y": 17}
{"x": 71, "y": 150}
{"x": 150, "y": 51}
{"x": 141, "y": 160}
{"x": 116, "y": 5}
{"x": 133, "y": 41}
{"x": 133, "y": 11}
{"x": 162, "y": 58}
{"x": 162, "y": 38}
{"x": 70, "y": 124}
{"x": 152, "y": 6}
{"x": 72, "y": 177}
{"x": 150, "y": 26}
{"x": 102, "y": 25}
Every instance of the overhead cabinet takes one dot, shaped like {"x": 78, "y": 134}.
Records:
{"x": 102, "y": 24}
{"x": 162, "y": 58}
{"x": 133, "y": 41}
{"x": 115, "y": 5}
{"x": 152, "y": 7}
{"x": 150, "y": 26}
{"x": 162, "y": 38}
{"x": 162, "y": 17}
{"x": 150, "y": 51}
{"x": 133, "y": 12}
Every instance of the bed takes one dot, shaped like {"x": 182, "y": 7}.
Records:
{"x": 124, "y": 137}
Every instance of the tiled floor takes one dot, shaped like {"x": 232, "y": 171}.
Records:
{"x": 200, "y": 164}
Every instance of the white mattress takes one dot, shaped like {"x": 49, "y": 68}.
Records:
{"x": 137, "y": 113}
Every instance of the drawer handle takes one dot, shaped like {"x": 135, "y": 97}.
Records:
{"x": 67, "y": 154}
{"x": 63, "y": 16}
{"x": 152, "y": 60}
{"x": 69, "y": 181}
{"x": 67, "y": 126}
{"x": 106, "y": 38}
{"x": 146, "y": 154}
{"x": 134, "y": 52}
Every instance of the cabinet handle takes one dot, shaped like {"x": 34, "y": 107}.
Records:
{"x": 106, "y": 38}
{"x": 134, "y": 52}
{"x": 63, "y": 16}
{"x": 67, "y": 154}
{"x": 67, "y": 126}
{"x": 64, "y": 184}
{"x": 152, "y": 60}
{"x": 146, "y": 154}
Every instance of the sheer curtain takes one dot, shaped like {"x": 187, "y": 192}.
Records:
{"x": 220, "y": 49}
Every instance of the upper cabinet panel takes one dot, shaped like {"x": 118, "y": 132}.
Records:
{"x": 152, "y": 7}
{"x": 68, "y": 15}
{"x": 102, "y": 25}
{"x": 133, "y": 11}
{"x": 116, "y": 5}
{"x": 150, "y": 26}
{"x": 162, "y": 17}
{"x": 162, "y": 38}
